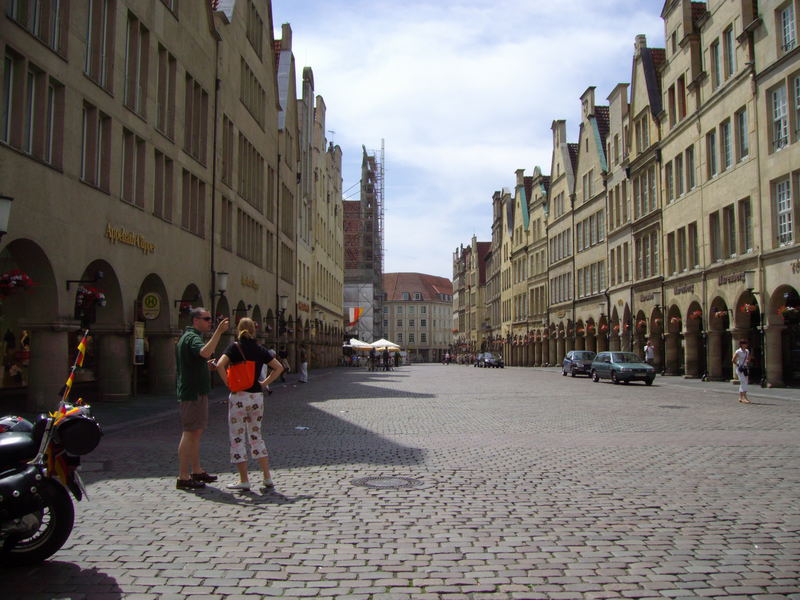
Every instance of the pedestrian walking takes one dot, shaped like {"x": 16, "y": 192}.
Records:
{"x": 193, "y": 373}
{"x": 649, "y": 353}
{"x": 373, "y": 359}
{"x": 283, "y": 357}
{"x": 385, "y": 356}
{"x": 246, "y": 406}
{"x": 397, "y": 358}
{"x": 741, "y": 362}
{"x": 303, "y": 364}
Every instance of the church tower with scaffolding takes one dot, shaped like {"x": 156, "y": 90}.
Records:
{"x": 363, "y": 252}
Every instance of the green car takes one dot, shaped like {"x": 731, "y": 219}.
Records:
{"x": 621, "y": 366}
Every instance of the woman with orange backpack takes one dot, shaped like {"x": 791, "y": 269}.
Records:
{"x": 239, "y": 367}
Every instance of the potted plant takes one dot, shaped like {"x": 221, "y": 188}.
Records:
{"x": 14, "y": 280}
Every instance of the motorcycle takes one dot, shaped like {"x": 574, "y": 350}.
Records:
{"x": 38, "y": 470}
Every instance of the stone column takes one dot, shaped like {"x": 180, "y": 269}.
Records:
{"x": 114, "y": 362}
{"x": 537, "y": 353}
{"x": 672, "y": 353}
{"x": 614, "y": 341}
{"x": 659, "y": 352}
{"x": 546, "y": 354}
{"x": 602, "y": 341}
{"x": 580, "y": 341}
{"x": 773, "y": 340}
{"x": 691, "y": 365}
{"x": 50, "y": 362}
{"x": 161, "y": 361}
{"x": 560, "y": 349}
{"x": 715, "y": 355}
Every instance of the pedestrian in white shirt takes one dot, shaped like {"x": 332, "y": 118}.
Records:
{"x": 649, "y": 353}
{"x": 741, "y": 362}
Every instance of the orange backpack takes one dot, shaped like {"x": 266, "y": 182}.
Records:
{"x": 241, "y": 375}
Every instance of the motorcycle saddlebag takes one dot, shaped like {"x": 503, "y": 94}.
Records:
{"x": 19, "y": 492}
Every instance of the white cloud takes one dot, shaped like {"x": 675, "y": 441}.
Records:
{"x": 464, "y": 93}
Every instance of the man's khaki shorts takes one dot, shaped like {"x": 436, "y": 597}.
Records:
{"x": 194, "y": 414}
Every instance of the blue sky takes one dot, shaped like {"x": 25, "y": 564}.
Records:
{"x": 463, "y": 93}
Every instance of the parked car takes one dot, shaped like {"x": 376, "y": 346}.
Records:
{"x": 621, "y": 366}
{"x": 577, "y": 361}
{"x": 489, "y": 359}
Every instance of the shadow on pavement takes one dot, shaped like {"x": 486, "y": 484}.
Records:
{"x": 251, "y": 498}
{"x": 297, "y": 429}
{"x": 34, "y": 582}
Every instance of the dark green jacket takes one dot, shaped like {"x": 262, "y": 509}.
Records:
{"x": 193, "y": 376}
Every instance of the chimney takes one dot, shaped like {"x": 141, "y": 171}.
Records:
{"x": 640, "y": 43}
{"x": 520, "y": 176}
{"x": 286, "y": 36}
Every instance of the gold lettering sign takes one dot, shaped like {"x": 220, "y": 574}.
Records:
{"x": 249, "y": 282}
{"x": 733, "y": 278}
{"x": 137, "y": 240}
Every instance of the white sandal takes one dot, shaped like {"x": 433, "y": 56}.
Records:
{"x": 245, "y": 485}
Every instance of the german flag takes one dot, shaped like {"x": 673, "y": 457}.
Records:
{"x": 81, "y": 351}
{"x": 69, "y": 382}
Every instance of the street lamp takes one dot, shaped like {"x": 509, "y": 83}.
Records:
{"x": 5, "y": 213}
{"x": 283, "y": 302}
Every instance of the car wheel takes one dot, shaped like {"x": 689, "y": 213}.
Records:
{"x": 614, "y": 379}
{"x": 649, "y": 380}
{"x": 626, "y": 381}
{"x": 595, "y": 376}
{"x": 572, "y": 371}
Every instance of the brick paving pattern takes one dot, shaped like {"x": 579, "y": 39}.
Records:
{"x": 530, "y": 486}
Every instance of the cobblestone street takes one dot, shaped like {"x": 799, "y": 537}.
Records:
{"x": 525, "y": 484}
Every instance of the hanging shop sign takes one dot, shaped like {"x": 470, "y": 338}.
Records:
{"x": 130, "y": 238}
{"x": 151, "y": 306}
{"x": 138, "y": 343}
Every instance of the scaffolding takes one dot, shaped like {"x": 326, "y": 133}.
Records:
{"x": 363, "y": 244}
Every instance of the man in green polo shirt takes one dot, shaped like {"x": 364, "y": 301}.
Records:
{"x": 192, "y": 356}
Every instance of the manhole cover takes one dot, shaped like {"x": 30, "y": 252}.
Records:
{"x": 671, "y": 406}
{"x": 386, "y": 483}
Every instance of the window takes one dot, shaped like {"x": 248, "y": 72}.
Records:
{"x": 417, "y": 296}
{"x": 671, "y": 262}
{"x": 782, "y": 195}
{"x": 681, "y": 97}
{"x": 672, "y": 109}
{"x": 249, "y": 238}
{"x": 681, "y": 249}
{"x": 399, "y": 310}
{"x": 410, "y": 338}
{"x": 727, "y": 144}
{"x": 133, "y": 171}
{"x": 165, "y": 99}
{"x": 787, "y": 28}
{"x": 251, "y": 174}
{"x": 136, "y": 55}
{"x": 711, "y": 154}
{"x": 729, "y": 222}
{"x": 99, "y": 59}
{"x": 715, "y": 239}
{"x": 423, "y": 338}
{"x": 226, "y": 224}
{"x": 423, "y": 322}
{"x": 780, "y": 118}
{"x": 44, "y": 19}
{"x": 399, "y": 337}
{"x": 716, "y": 64}
{"x": 729, "y": 51}
{"x": 742, "y": 135}
{"x": 796, "y": 87}
{"x": 411, "y": 323}
{"x": 668, "y": 170}
{"x": 33, "y": 110}
{"x": 95, "y": 148}
{"x": 694, "y": 247}
{"x": 163, "y": 186}
{"x": 690, "y": 168}
{"x": 255, "y": 28}
{"x": 227, "y": 151}
{"x": 678, "y": 174}
{"x": 195, "y": 119}
{"x": 424, "y": 309}
{"x": 254, "y": 98}
{"x": 745, "y": 226}
{"x": 406, "y": 296}
{"x": 193, "y": 205}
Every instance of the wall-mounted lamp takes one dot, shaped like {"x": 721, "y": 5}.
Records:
{"x": 5, "y": 213}
{"x": 750, "y": 281}
{"x": 97, "y": 277}
{"x": 220, "y": 283}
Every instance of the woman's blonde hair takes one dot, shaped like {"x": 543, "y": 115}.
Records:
{"x": 246, "y": 328}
